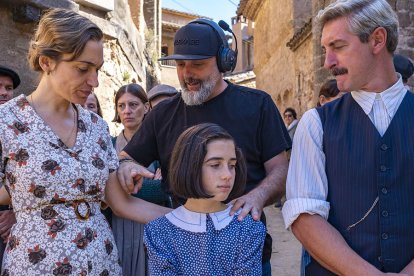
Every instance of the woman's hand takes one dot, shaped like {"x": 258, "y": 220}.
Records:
{"x": 131, "y": 175}
{"x": 158, "y": 175}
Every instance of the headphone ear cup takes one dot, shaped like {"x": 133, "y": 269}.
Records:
{"x": 226, "y": 59}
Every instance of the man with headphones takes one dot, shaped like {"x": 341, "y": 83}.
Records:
{"x": 202, "y": 55}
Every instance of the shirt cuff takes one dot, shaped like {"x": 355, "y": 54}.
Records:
{"x": 292, "y": 208}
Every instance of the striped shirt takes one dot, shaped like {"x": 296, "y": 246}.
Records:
{"x": 307, "y": 184}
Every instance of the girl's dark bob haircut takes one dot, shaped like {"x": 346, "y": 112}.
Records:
{"x": 188, "y": 157}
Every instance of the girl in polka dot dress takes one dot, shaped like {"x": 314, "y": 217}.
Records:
{"x": 200, "y": 237}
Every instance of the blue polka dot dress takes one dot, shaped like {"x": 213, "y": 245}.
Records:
{"x": 188, "y": 243}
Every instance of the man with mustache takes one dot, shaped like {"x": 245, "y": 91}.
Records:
{"x": 350, "y": 183}
{"x": 9, "y": 80}
{"x": 202, "y": 56}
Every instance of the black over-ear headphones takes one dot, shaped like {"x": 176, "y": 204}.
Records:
{"x": 226, "y": 57}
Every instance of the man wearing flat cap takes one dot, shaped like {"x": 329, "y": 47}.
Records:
{"x": 9, "y": 80}
{"x": 159, "y": 93}
{"x": 405, "y": 67}
{"x": 202, "y": 55}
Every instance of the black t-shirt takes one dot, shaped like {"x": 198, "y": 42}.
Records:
{"x": 249, "y": 115}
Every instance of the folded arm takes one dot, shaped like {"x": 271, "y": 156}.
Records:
{"x": 328, "y": 247}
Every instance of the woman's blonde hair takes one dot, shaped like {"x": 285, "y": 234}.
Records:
{"x": 61, "y": 32}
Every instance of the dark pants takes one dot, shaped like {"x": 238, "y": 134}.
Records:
{"x": 266, "y": 269}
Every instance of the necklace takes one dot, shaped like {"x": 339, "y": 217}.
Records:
{"x": 123, "y": 134}
{"x": 75, "y": 115}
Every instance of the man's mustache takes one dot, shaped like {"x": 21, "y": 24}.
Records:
{"x": 339, "y": 71}
{"x": 191, "y": 80}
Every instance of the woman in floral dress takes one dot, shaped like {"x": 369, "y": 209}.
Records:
{"x": 57, "y": 158}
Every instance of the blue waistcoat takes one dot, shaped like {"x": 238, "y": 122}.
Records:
{"x": 362, "y": 166}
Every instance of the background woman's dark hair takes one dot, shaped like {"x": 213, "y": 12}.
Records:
{"x": 329, "y": 89}
{"x": 188, "y": 157}
{"x": 291, "y": 110}
{"x": 133, "y": 89}
{"x": 98, "y": 105}
{"x": 61, "y": 32}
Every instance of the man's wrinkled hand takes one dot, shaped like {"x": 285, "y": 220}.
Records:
{"x": 130, "y": 176}
{"x": 250, "y": 203}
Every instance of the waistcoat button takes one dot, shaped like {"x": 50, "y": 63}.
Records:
{"x": 384, "y": 236}
{"x": 383, "y": 168}
{"x": 384, "y": 213}
{"x": 384, "y": 191}
{"x": 384, "y": 147}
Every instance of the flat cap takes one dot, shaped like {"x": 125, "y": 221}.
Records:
{"x": 403, "y": 66}
{"x": 4, "y": 71}
{"x": 161, "y": 89}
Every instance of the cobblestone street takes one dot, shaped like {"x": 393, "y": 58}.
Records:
{"x": 286, "y": 249}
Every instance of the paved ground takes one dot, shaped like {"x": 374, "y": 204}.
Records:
{"x": 286, "y": 249}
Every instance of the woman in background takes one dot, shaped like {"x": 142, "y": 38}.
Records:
{"x": 92, "y": 104}
{"x": 131, "y": 105}
{"x": 329, "y": 92}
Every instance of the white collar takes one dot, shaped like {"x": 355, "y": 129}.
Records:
{"x": 196, "y": 222}
{"x": 294, "y": 123}
{"x": 392, "y": 98}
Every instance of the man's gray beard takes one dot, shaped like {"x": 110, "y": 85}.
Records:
{"x": 200, "y": 96}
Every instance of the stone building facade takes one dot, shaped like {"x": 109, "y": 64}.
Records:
{"x": 131, "y": 43}
{"x": 243, "y": 30}
{"x": 288, "y": 55}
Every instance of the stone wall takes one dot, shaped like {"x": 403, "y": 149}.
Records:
{"x": 305, "y": 77}
{"x": 15, "y": 39}
{"x": 127, "y": 57}
{"x": 273, "y": 66}
{"x": 286, "y": 73}
{"x": 169, "y": 75}
{"x": 405, "y": 11}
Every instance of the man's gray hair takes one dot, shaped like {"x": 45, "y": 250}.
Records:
{"x": 363, "y": 17}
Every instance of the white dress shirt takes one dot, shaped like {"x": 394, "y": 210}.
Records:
{"x": 307, "y": 184}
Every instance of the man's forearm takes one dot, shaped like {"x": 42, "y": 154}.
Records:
{"x": 328, "y": 247}
{"x": 273, "y": 186}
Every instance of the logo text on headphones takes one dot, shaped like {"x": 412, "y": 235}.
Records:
{"x": 187, "y": 41}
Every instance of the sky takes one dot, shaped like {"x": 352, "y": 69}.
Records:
{"x": 216, "y": 9}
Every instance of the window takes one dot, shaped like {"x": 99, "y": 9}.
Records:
{"x": 164, "y": 51}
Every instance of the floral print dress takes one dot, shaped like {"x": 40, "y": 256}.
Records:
{"x": 56, "y": 193}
